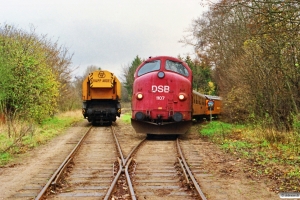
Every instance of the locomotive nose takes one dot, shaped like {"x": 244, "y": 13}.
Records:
{"x": 177, "y": 117}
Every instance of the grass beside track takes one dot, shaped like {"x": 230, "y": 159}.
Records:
{"x": 126, "y": 117}
{"x": 23, "y": 136}
{"x": 270, "y": 154}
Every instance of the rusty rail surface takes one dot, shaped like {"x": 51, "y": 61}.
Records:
{"x": 57, "y": 174}
{"x": 123, "y": 168}
{"x": 124, "y": 164}
{"x": 187, "y": 172}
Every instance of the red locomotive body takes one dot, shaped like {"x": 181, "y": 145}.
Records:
{"x": 162, "y": 96}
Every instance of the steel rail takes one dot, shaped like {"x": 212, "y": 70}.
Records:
{"x": 113, "y": 184}
{"x": 127, "y": 163}
{"x": 190, "y": 173}
{"x": 132, "y": 194}
{"x": 121, "y": 164}
{"x": 55, "y": 177}
{"x": 122, "y": 168}
{"x": 184, "y": 171}
{"x": 118, "y": 145}
{"x": 133, "y": 150}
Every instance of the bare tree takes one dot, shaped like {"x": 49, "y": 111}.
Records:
{"x": 254, "y": 49}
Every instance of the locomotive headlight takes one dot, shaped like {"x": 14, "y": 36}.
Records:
{"x": 139, "y": 96}
{"x": 161, "y": 74}
{"x": 181, "y": 97}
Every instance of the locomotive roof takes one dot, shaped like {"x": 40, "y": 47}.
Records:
{"x": 165, "y": 57}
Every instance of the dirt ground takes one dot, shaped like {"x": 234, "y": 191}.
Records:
{"x": 227, "y": 178}
{"x": 19, "y": 173}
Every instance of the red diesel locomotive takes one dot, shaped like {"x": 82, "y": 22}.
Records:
{"x": 162, "y": 96}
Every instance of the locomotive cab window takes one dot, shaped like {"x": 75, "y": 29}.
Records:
{"x": 149, "y": 67}
{"x": 177, "y": 67}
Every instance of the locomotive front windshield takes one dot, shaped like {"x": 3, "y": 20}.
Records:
{"x": 177, "y": 67}
{"x": 149, "y": 67}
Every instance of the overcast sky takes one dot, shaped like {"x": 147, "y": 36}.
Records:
{"x": 107, "y": 33}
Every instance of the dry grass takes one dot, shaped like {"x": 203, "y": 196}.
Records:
{"x": 74, "y": 113}
{"x": 24, "y": 135}
{"x": 270, "y": 153}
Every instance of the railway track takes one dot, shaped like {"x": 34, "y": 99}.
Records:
{"x": 92, "y": 169}
{"x": 31, "y": 190}
{"x": 160, "y": 172}
{"x": 97, "y": 169}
